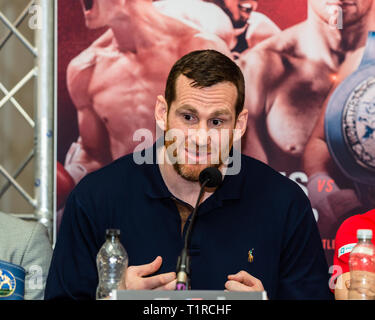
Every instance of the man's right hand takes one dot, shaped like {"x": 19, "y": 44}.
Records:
{"x": 134, "y": 277}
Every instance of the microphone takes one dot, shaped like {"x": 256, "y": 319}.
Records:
{"x": 210, "y": 177}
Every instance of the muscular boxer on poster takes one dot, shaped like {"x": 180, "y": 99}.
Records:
{"x": 113, "y": 83}
{"x": 251, "y": 27}
{"x": 316, "y": 157}
{"x": 336, "y": 192}
{"x": 340, "y": 198}
{"x": 291, "y": 75}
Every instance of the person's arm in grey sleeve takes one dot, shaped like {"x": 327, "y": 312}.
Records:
{"x": 36, "y": 261}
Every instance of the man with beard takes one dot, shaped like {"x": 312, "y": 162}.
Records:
{"x": 114, "y": 81}
{"x": 257, "y": 211}
{"x": 291, "y": 75}
{"x": 250, "y": 27}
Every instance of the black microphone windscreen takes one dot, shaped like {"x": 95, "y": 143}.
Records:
{"x": 213, "y": 175}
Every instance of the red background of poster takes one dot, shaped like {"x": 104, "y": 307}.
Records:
{"x": 75, "y": 37}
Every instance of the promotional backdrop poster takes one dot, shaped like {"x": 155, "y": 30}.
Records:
{"x": 114, "y": 57}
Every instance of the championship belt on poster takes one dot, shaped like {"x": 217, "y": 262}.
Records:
{"x": 350, "y": 126}
{"x": 12, "y": 281}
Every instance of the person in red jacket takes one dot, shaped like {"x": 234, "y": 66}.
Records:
{"x": 346, "y": 239}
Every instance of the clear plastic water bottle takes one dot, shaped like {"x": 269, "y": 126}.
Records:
{"x": 362, "y": 268}
{"x": 112, "y": 262}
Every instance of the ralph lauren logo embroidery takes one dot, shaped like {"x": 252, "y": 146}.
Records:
{"x": 250, "y": 255}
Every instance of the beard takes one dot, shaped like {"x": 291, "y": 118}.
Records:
{"x": 186, "y": 170}
{"x": 191, "y": 172}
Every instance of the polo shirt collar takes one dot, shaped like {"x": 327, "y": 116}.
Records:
{"x": 155, "y": 186}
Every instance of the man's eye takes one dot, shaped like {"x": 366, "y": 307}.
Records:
{"x": 188, "y": 117}
{"x": 217, "y": 122}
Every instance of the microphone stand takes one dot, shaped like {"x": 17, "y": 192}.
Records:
{"x": 183, "y": 262}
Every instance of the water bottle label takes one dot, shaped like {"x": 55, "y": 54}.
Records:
{"x": 346, "y": 249}
{"x": 365, "y": 250}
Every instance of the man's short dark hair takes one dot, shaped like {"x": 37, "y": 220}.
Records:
{"x": 206, "y": 68}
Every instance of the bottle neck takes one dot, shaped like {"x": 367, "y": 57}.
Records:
{"x": 366, "y": 240}
{"x": 112, "y": 239}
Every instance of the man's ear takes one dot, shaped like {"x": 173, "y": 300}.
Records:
{"x": 241, "y": 122}
{"x": 161, "y": 112}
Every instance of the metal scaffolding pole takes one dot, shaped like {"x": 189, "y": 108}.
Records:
{"x": 44, "y": 117}
{"x": 43, "y": 123}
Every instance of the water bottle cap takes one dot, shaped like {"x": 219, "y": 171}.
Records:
{"x": 112, "y": 232}
{"x": 364, "y": 234}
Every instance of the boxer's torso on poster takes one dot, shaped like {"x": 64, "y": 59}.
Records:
{"x": 118, "y": 91}
{"x": 293, "y": 93}
{"x": 293, "y": 110}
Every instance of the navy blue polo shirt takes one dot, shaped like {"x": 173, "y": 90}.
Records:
{"x": 257, "y": 209}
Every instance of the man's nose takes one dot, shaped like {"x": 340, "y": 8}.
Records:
{"x": 200, "y": 135}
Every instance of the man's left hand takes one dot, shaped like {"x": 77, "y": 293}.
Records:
{"x": 243, "y": 281}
